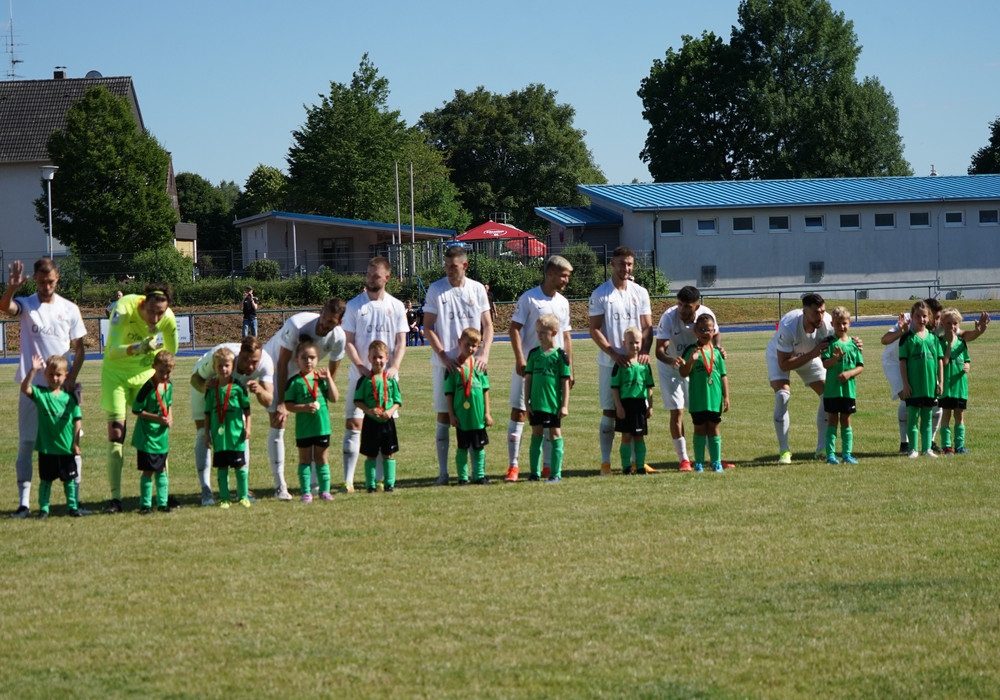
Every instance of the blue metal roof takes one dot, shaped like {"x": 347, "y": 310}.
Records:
{"x": 579, "y": 216}
{"x": 811, "y": 192}
{"x": 336, "y": 221}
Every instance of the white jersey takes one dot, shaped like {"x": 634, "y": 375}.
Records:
{"x": 791, "y": 336}
{"x": 621, "y": 309}
{"x": 680, "y": 335}
{"x": 370, "y": 320}
{"x": 264, "y": 373}
{"x": 530, "y": 307}
{"x": 330, "y": 346}
{"x": 46, "y": 329}
{"x": 455, "y": 309}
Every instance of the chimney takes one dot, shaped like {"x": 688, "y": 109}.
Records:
{"x": 59, "y": 75}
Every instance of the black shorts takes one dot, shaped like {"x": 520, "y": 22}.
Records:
{"x": 952, "y": 404}
{"x": 314, "y": 441}
{"x": 702, "y": 417}
{"x": 52, "y": 467}
{"x": 840, "y": 405}
{"x": 922, "y": 402}
{"x": 151, "y": 463}
{"x": 224, "y": 459}
{"x": 476, "y": 439}
{"x": 378, "y": 438}
{"x": 634, "y": 422}
{"x": 546, "y": 420}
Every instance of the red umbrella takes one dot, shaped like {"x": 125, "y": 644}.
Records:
{"x": 514, "y": 239}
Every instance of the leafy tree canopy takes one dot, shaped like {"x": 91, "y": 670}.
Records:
{"x": 987, "y": 159}
{"x": 511, "y": 153}
{"x": 780, "y": 100}
{"x": 211, "y": 208}
{"x": 111, "y": 196}
{"x": 265, "y": 190}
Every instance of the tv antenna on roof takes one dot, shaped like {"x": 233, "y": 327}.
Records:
{"x": 9, "y": 46}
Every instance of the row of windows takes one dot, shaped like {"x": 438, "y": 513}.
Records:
{"x": 847, "y": 222}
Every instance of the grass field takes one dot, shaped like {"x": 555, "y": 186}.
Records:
{"x": 804, "y": 581}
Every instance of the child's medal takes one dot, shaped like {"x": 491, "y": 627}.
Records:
{"x": 466, "y": 383}
{"x": 223, "y": 407}
{"x": 384, "y": 402}
{"x": 709, "y": 364}
{"x": 313, "y": 390}
{"x": 159, "y": 400}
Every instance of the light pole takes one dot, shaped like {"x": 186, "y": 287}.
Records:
{"x": 49, "y": 172}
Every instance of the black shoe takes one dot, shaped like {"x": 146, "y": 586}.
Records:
{"x": 935, "y": 449}
{"x": 165, "y": 509}
{"x": 372, "y": 489}
{"x": 114, "y": 506}
{"x": 482, "y": 482}
{"x": 74, "y": 513}
{"x": 904, "y": 448}
{"x": 21, "y": 512}
{"x": 534, "y": 477}
{"x": 145, "y": 510}
{"x": 390, "y": 489}
{"x": 42, "y": 514}
{"x": 463, "y": 482}
{"x": 172, "y": 503}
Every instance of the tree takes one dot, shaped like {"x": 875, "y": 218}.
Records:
{"x": 265, "y": 190}
{"x": 511, "y": 153}
{"x": 780, "y": 100}
{"x": 211, "y": 208}
{"x": 987, "y": 159}
{"x": 112, "y": 194}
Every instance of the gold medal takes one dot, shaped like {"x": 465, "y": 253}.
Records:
{"x": 466, "y": 405}
{"x": 220, "y": 431}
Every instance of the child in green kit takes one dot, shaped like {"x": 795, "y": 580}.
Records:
{"x": 154, "y": 417}
{"x": 921, "y": 364}
{"x": 306, "y": 396}
{"x": 547, "y": 373}
{"x": 708, "y": 392}
{"x": 955, "y": 394}
{"x": 632, "y": 389}
{"x": 378, "y": 397}
{"x": 469, "y": 409}
{"x": 227, "y": 415}
{"x": 843, "y": 362}
{"x": 59, "y": 427}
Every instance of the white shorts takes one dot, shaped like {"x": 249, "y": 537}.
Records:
{"x": 673, "y": 387}
{"x": 517, "y": 392}
{"x": 890, "y": 367}
{"x": 350, "y": 410}
{"x": 198, "y": 405}
{"x": 604, "y": 387}
{"x": 27, "y": 418}
{"x": 813, "y": 371}
{"x": 438, "y": 375}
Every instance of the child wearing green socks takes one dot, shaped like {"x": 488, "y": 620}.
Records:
{"x": 378, "y": 397}
{"x": 708, "y": 392}
{"x": 467, "y": 389}
{"x": 843, "y": 362}
{"x": 227, "y": 415}
{"x": 154, "y": 417}
{"x": 546, "y": 392}
{"x": 306, "y": 396}
{"x": 632, "y": 389}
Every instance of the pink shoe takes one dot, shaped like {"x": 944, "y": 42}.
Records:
{"x": 686, "y": 466}
{"x": 307, "y": 498}
{"x": 326, "y": 496}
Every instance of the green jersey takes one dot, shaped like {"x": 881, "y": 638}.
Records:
{"x": 378, "y": 392}
{"x": 705, "y": 380}
{"x": 469, "y": 409}
{"x": 150, "y": 437}
{"x": 304, "y": 390}
{"x": 633, "y": 381}
{"x": 835, "y": 389}
{"x": 922, "y": 356}
{"x": 547, "y": 370}
{"x": 226, "y": 408}
{"x": 57, "y": 413}
{"x": 956, "y": 381}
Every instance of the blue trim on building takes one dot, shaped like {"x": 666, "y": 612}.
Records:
{"x": 333, "y": 220}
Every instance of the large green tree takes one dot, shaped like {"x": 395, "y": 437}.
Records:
{"x": 111, "y": 197}
{"x": 266, "y": 189}
{"x": 511, "y": 153}
{"x": 211, "y": 207}
{"x": 987, "y": 159}
{"x": 780, "y": 100}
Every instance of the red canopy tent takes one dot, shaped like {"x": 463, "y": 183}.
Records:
{"x": 514, "y": 239}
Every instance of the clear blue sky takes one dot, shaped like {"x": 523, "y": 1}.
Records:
{"x": 222, "y": 83}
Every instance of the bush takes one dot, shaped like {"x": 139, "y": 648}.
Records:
{"x": 263, "y": 270}
{"x": 165, "y": 264}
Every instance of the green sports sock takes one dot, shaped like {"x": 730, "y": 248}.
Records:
{"x": 223, "y": 473}
{"x": 535, "y": 454}
{"x": 323, "y": 478}
{"x": 369, "y": 473}
{"x": 389, "y": 465}
{"x": 912, "y": 425}
{"x": 699, "y": 448}
{"x": 960, "y": 435}
{"x": 145, "y": 491}
{"x": 69, "y": 488}
{"x": 478, "y": 464}
{"x": 243, "y": 483}
{"x": 162, "y": 488}
{"x": 715, "y": 448}
{"x": 44, "y": 495}
{"x": 558, "y": 450}
{"x": 305, "y": 478}
{"x": 116, "y": 462}
{"x": 946, "y": 436}
{"x": 831, "y": 440}
{"x": 926, "y": 428}
{"x": 639, "y": 447}
{"x": 625, "y": 453}
{"x": 462, "y": 464}
{"x": 847, "y": 438}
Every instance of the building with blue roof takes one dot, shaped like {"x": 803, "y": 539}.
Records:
{"x": 830, "y": 231}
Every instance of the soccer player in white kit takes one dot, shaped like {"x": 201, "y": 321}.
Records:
{"x": 325, "y": 330}
{"x": 50, "y": 325}
{"x": 532, "y": 305}
{"x": 613, "y": 307}
{"x": 453, "y": 303}
{"x": 372, "y": 315}
{"x": 255, "y": 368}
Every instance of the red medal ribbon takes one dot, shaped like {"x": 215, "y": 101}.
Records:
{"x": 314, "y": 389}
{"x": 221, "y": 412}
{"x": 709, "y": 365}
{"x": 385, "y": 391}
{"x": 467, "y": 384}
{"x": 159, "y": 400}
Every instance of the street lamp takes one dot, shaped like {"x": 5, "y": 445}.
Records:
{"x": 49, "y": 172}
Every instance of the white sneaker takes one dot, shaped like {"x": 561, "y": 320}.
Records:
{"x": 785, "y": 457}
{"x": 283, "y": 495}
{"x": 929, "y": 453}
{"x": 913, "y": 454}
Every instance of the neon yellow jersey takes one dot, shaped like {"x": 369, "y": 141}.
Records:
{"x": 127, "y": 327}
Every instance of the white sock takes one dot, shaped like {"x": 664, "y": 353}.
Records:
{"x": 936, "y": 415}
{"x": 546, "y": 448}
{"x": 680, "y": 447}
{"x": 379, "y": 468}
{"x": 904, "y": 436}
{"x": 352, "y": 446}
{"x": 514, "y": 430}
{"x": 441, "y": 437}
{"x": 607, "y": 437}
{"x": 24, "y": 492}
{"x": 79, "y": 475}
{"x": 201, "y": 461}
{"x": 24, "y": 467}
{"x": 821, "y": 423}
{"x": 276, "y": 456}
{"x": 781, "y": 419}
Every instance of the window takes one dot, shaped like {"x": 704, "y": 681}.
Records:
{"x": 816, "y": 271}
{"x": 954, "y": 218}
{"x": 885, "y": 220}
{"x": 742, "y": 224}
{"x": 815, "y": 223}
{"x": 708, "y": 226}
{"x": 707, "y": 275}
{"x": 777, "y": 223}
{"x": 850, "y": 222}
{"x": 335, "y": 253}
{"x": 988, "y": 217}
{"x": 920, "y": 219}
{"x": 670, "y": 227}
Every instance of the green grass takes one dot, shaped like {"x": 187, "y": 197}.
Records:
{"x": 803, "y": 581}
